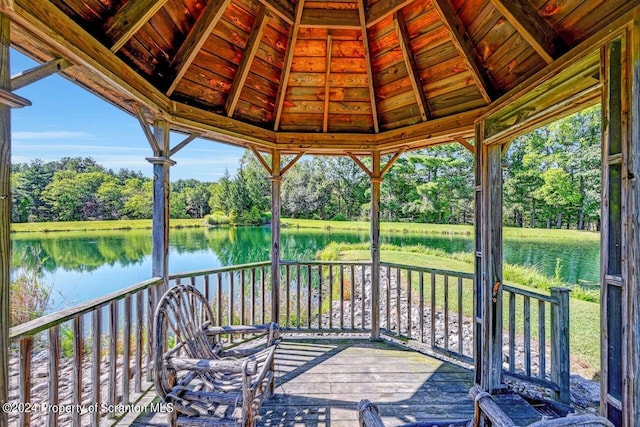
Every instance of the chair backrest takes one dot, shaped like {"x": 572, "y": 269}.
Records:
{"x": 181, "y": 318}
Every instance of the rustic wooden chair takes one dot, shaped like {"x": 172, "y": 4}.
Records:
{"x": 205, "y": 384}
{"x": 369, "y": 416}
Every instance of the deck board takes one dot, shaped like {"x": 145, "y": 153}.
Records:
{"x": 319, "y": 382}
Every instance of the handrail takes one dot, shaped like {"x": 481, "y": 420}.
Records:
{"x": 428, "y": 270}
{"x": 32, "y": 327}
{"x": 219, "y": 270}
{"x": 548, "y": 298}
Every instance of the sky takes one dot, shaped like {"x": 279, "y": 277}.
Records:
{"x": 65, "y": 120}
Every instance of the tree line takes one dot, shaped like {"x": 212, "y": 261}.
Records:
{"x": 551, "y": 179}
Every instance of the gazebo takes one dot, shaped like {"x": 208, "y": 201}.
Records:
{"x": 358, "y": 78}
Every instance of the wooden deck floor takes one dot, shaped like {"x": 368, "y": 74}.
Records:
{"x": 320, "y": 382}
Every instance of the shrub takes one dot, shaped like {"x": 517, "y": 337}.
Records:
{"x": 217, "y": 218}
{"x": 339, "y": 217}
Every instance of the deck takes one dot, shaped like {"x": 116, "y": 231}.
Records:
{"x": 321, "y": 380}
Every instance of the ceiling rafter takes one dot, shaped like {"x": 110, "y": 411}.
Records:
{"x": 367, "y": 56}
{"x": 410, "y": 62}
{"x": 283, "y": 9}
{"x": 463, "y": 44}
{"x": 195, "y": 39}
{"x": 129, "y": 19}
{"x": 466, "y": 144}
{"x": 533, "y": 28}
{"x": 257, "y": 31}
{"x": 288, "y": 60}
{"x": 327, "y": 76}
{"x": 382, "y": 9}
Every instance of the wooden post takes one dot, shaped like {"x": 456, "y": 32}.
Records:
{"x": 560, "y": 361}
{"x": 161, "y": 165}
{"x": 376, "y": 180}
{"x": 490, "y": 283}
{"x": 276, "y": 180}
{"x": 5, "y": 215}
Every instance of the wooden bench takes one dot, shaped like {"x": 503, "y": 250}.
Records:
{"x": 487, "y": 409}
{"x": 205, "y": 384}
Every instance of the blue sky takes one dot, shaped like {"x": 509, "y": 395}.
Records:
{"x": 68, "y": 121}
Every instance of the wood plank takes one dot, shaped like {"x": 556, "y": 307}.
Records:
{"x": 367, "y": 55}
{"x": 195, "y": 39}
{"x": 129, "y": 19}
{"x": 288, "y": 59}
{"x": 330, "y": 18}
{"x": 383, "y": 9}
{"x": 349, "y": 80}
{"x": 247, "y": 59}
{"x": 531, "y": 25}
{"x": 410, "y": 63}
{"x": 32, "y": 75}
{"x": 461, "y": 41}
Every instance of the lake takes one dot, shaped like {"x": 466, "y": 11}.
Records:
{"x": 85, "y": 265}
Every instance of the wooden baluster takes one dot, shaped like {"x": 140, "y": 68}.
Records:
{"x": 287, "y": 308}
{"x": 253, "y": 296}
{"x": 353, "y": 296}
{"x": 207, "y": 294}
{"x": 78, "y": 344}
{"x": 527, "y": 336}
{"x": 330, "y": 296}
{"x": 320, "y": 296}
{"x": 363, "y": 298}
{"x": 542, "y": 338}
{"x": 512, "y": 332}
{"x": 96, "y": 349}
{"x": 341, "y": 296}
{"x": 126, "y": 349}
{"x": 409, "y": 303}
{"x": 54, "y": 373}
{"x": 263, "y": 277}
{"x": 398, "y": 301}
{"x": 113, "y": 355}
{"x": 433, "y": 309}
{"x": 308, "y": 297}
{"x": 298, "y": 287}
{"x": 139, "y": 342}
{"x": 26, "y": 348}
{"x": 460, "y": 331}
{"x": 219, "y": 296}
{"x": 421, "y": 278}
{"x": 446, "y": 311}
{"x": 388, "y": 298}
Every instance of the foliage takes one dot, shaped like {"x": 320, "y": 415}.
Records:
{"x": 30, "y": 297}
{"x": 217, "y": 218}
{"x": 79, "y": 189}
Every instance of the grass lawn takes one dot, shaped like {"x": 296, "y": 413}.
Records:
{"x": 128, "y": 224}
{"x": 419, "y": 228}
{"x": 584, "y": 315}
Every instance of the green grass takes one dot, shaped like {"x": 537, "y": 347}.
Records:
{"x": 129, "y": 224}
{"x": 584, "y": 315}
{"x": 419, "y": 228}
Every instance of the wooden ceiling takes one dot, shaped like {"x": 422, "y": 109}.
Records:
{"x": 361, "y": 72}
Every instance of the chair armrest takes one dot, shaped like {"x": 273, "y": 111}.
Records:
{"x": 368, "y": 414}
{"x": 240, "y": 329}
{"x": 227, "y": 366}
{"x": 574, "y": 420}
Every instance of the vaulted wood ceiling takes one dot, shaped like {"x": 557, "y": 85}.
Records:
{"x": 362, "y": 67}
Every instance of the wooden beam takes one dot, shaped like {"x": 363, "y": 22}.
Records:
{"x": 5, "y": 216}
{"x": 382, "y": 9}
{"x": 153, "y": 142}
{"x": 129, "y": 19}
{"x": 466, "y": 144}
{"x": 257, "y": 30}
{"x": 288, "y": 60}
{"x": 261, "y": 159}
{"x": 391, "y": 161}
{"x": 359, "y": 163}
{"x": 291, "y": 163}
{"x": 183, "y": 144}
{"x": 533, "y": 28}
{"x": 410, "y": 62}
{"x": 465, "y": 47}
{"x": 367, "y": 56}
{"x": 330, "y": 18}
{"x": 12, "y": 100}
{"x": 281, "y": 8}
{"x": 327, "y": 75}
{"x": 39, "y": 72}
{"x": 195, "y": 39}
{"x": 6, "y": 5}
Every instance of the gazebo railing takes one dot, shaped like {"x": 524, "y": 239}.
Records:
{"x": 57, "y": 359}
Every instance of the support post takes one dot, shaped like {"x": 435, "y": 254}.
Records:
{"x": 560, "y": 361}
{"x": 161, "y": 188}
{"x": 276, "y": 180}
{"x": 490, "y": 284}
{"x": 376, "y": 181}
{"x": 5, "y": 216}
